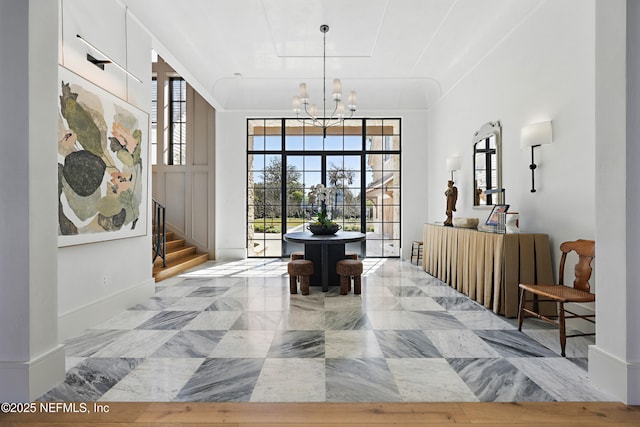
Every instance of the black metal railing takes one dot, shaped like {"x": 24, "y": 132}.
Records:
{"x": 159, "y": 233}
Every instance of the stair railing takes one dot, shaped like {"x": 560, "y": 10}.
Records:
{"x": 159, "y": 233}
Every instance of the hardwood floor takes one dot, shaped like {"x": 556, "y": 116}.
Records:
{"x": 237, "y": 414}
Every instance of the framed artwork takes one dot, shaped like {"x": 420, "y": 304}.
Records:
{"x": 493, "y": 218}
{"x": 102, "y": 164}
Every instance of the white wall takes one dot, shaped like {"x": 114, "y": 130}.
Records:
{"x": 231, "y": 130}
{"x": 542, "y": 70}
{"x": 98, "y": 280}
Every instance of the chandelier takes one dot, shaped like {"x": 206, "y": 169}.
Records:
{"x": 337, "y": 116}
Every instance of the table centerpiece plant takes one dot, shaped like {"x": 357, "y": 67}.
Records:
{"x": 323, "y": 224}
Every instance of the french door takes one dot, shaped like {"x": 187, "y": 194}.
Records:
{"x": 358, "y": 162}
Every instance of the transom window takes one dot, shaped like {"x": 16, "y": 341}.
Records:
{"x": 359, "y": 161}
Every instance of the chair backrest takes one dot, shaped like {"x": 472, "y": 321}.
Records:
{"x": 586, "y": 251}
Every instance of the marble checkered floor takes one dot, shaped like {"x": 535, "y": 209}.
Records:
{"x": 232, "y": 332}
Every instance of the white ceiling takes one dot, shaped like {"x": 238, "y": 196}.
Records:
{"x": 397, "y": 54}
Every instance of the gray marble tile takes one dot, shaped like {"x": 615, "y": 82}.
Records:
{"x": 208, "y": 291}
{"x": 419, "y": 304}
{"x": 550, "y": 338}
{"x": 154, "y": 380}
{"x": 458, "y": 303}
{"x": 169, "y": 320}
{"x": 222, "y": 380}
{"x": 360, "y": 380}
{"x": 91, "y": 341}
{"x": 514, "y": 344}
{"x": 89, "y": 380}
{"x": 297, "y": 344}
{"x": 291, "y": 380}
{"x": 229, "y": 304}
{"x": 561, "y": 378}
{"x": 191, "y": 304}
{"x": 440, "y": 291}
{"x": 497, "y": 380}
{"x": 184, "y": 344}
{"x": 406, "y": 344}
{"x": 213, "y": 320}
{"x": 429, "y": 380}
{"x": 346, "y": 320}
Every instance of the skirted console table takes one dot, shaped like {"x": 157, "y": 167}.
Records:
{"x": 488, "y": 267}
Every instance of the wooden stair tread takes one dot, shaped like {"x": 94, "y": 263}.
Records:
{"x": 178, "y": 265}
{"x": 176, "y": 253}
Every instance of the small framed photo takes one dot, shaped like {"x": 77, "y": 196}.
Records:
{"x": 493, "y": 218}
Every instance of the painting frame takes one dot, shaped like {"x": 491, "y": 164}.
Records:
{"x": 103, "y": 164}
{"x": 493, "y": 218}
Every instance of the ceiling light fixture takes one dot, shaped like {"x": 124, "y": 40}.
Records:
{"x": 101, "y": 62}
{"x": 337, "y": 116}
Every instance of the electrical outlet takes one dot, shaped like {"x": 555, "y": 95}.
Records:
{"x": 104, "y": 280}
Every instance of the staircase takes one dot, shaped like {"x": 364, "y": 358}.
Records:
{"x": 179, "y": 258}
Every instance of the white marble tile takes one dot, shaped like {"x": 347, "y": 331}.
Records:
{"x": 72, "y": 362}
{"x": 482, "y": 320}
{"x": 243, "y": 344}
{"x": 429, "y": 380}
{"x": 216, "y": 320}
{"x": 303, "y": 320}
{"x": 154, "y": 380}
{"x": 351, "y": 344}
{"x": 268, "y": 303}
{"x": 191, "y": 304}
{"x": 128, "y": 319}
{"x": 561, "y": 378}
{"x": 420, "y": 304}
{"x": 460, "y": 343}
{"x": 176, "y": 291}
{"x": 136, "y": 343}
{"x": 291, "y": 380}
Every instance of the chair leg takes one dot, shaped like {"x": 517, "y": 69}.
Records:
{"x": 304, "y": 285}
{"x": 563, "y": 330}
{"x": 293, "y": 285}
{"x": 345, "y": 282}
{"x": 357, "y": 284}
{"x": 521, "y": 310}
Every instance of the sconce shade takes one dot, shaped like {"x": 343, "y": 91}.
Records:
{"x": 535, "y": 134}
{"x": 453, "y": 163}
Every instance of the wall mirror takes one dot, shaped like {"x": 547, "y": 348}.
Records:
{"x": 487, "y": 165}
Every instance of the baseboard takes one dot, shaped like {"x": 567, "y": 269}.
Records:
{"x": 614, "y": 375}
{"x": 25, "y": 381}
{"x": 74, "y": 322}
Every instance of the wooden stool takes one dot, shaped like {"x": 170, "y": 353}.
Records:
{"x": 350, "y": 255}
{"x": 296, "y": 255}
{"x": 416, "y": 250}
{"x": 302, "y": 269}
{"x": 346, "y": 269}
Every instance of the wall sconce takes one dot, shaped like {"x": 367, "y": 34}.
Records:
{"x": 453, "y": 164}
{"x": 535, "y": 135}
{"x": 101, "y": 62}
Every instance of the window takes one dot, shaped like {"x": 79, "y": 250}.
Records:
{"x": 359, "y": 161}
{"x": 177, "y": 121}
{"x": 154, "y": 121}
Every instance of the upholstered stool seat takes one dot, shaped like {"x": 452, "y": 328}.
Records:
{"x": 301, "y": 269}
{"x": 296, "y": 255}
{"x": 346, "y": 269}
